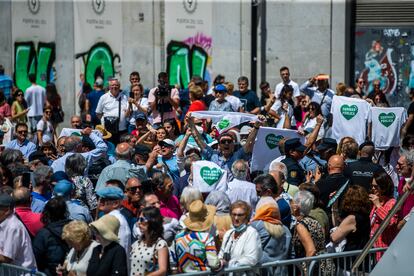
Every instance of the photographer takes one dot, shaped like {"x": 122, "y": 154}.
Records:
{"x": 163, "y": 100}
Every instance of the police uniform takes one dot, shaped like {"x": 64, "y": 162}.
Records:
{"x": 296, "y": 175}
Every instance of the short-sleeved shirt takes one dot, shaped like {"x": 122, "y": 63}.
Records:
{"x": 144, "y": 259}
{"x": 249, "y": 99}
{"x": 108, "y": 105}
{"x": 5, "y": 110}
{"x": 15, "y": 243}
{"x": 93, "y": 99}
{"x": 47, "y": 130}
{"x": 223, "y": 106}
{"x": 277, "y": 107}
{"x": 156, "y": 115}
{"x": 143, "y": 102}
{"x": 295, "y": 86}
{"x": 35, "y": 97}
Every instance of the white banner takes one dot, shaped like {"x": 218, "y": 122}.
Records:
{"x": 386, "y": 126}
{"x": 75, "y": 131}
{"x": 266, "y": 146}
{"x": 208, "y": 176}
{"x": 98, "y": 40}
{"x": 224, "y": 121}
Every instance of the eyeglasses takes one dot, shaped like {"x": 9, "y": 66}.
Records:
{"x": 134, "y": 189}
{"x": 238, "y": 214}
{"x": 142, "y": 219}
{"x": 226, "y": 142}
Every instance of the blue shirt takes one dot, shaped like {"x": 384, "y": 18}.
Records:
{"x": 121, "y": 170}
{"x": 172, "y": 165}
{"x": 6, "y": 84}
{"x": 38, "y": 202}
{"x": 77, "y": 211}
{"x": 311, "y": 163}
{"x": 90, "y": 156}
{"x": 318, "y": 97}
{"x": 26, "y": 147}
{"x": 93, "y": 98}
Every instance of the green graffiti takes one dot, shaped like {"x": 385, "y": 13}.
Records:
{"x": 183, "y": 62}
{"x": 28, "y": 61}
{"x": 99, "y": 61}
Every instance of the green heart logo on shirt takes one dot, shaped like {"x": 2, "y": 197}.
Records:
{"x": 272, "y": 140}
{"x": 349, "y": 112}
{"x": 224, "y": 123}
{"x": 387, "y": 119}
{"x": 210, "y": 176}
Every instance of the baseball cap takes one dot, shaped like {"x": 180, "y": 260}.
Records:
{"x": 63, "y": 188}
{"x": 141, "y": 149}
{"x": 140, "y": 116}
{"x": 220, "y": 88}
{"x": 6, "y": 200}
{"x": 167, "y": 142}
{"x": 245, "y": 130}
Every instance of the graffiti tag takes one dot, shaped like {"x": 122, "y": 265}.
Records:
{"x": 183, "y": 63}
{"x": 28, "y": 61}
{"x": 99, "y": 61}
{"x": 392, "y": 32}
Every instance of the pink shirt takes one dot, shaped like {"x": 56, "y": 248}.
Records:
{"x": 409, "y": 202}
{"x": 30, "y": 219}
{"x": 5, "y": 110}
{"x": 171, "y": 208}
{"x": 167, "y": 115}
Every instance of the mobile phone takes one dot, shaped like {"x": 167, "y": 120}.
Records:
{"x": 26, "y": 179}
{"x": 131, "y": 94}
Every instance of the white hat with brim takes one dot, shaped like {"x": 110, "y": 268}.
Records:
{"x": 108, "y": 227}
{"x": 105, "y": 134}
{"x": 200, "y": 216}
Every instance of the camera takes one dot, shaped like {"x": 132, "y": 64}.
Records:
{"x": 226, "y": 256}
{"x": 164, "y": 90}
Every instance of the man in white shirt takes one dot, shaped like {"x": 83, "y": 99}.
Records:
{"x": 239, "y": 188}
{"x": 35, "y": 97}
{"x": 164, "y": 100}
{"x": 113, "y": 105}
{"x": 15, "y": 243}
{"x": 285, "y": 75}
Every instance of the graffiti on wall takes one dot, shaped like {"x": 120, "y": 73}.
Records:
{"x": 28, "y": 60}
{"x": 188, "y": 58}
{"x": 387, "y": 55}
{"x": 99, "y": 61}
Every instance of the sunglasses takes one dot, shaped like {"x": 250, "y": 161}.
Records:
{"x": 22, "y": 132}
{"x": 134, "y": 189}
{"x": 20, "y": 94}
{"x": 142, "y": 219}
{"x": 226, "y": 142}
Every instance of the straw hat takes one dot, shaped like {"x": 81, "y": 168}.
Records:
{"x": 105, "y": 134}
{"x": 108, "y": 227}
{"x": 200, "y": 216}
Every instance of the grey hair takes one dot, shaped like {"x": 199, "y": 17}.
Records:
{"x": 239, "y": 169}
{"x": 126, "y": 155}
{"x": 75, "y": 165}
{"x": 279, "y": 167}
{"x": 189, "y": 160}
{"x": 9, "y": 156}
{"x": 189, "y": 195}
{"x": 304, "y": 200}
{"x": 409, "y": 156}
{"x": 42, "y": 175}
{"x": 71, "y": 143}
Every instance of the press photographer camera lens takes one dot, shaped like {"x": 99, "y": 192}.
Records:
{"x": 164, "y": 90}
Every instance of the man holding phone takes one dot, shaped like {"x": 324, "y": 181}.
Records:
{"x": 21, "y": 142}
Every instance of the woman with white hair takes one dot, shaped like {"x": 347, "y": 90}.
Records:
{"x": 308, "y": 237}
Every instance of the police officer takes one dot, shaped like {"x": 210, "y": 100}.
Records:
{"x": 294, "y": 152}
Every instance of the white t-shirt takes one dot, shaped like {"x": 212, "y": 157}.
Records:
{"x": 279, "y": 86}
{"x": 47, "y": 130}
{"x": 277, "y": 107}
{"x": 235, "y": 102}
{"x": 386, "y": 126}
{"x": 310, "y": 124}
{"x": 35, "y": 97}
{"x": 349, "y": 118}
{"x": 143, "y": 102}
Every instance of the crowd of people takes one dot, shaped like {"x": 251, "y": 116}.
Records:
{"x": 115, "y": 192}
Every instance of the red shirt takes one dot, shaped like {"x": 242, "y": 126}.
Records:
{"x": 130, "y": 207}
{"x": 409, "y": 202}
{"x": 171, "y": 208}
{"x": 30, "y": 220}
{"x": 197, "y": 105}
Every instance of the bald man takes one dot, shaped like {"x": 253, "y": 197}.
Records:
{"x": 334, "y": 181}
{"x": 123, "y": 168}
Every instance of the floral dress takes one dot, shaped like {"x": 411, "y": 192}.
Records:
{"x": 85, "y": 191}
{"x": 144, "y": 259}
